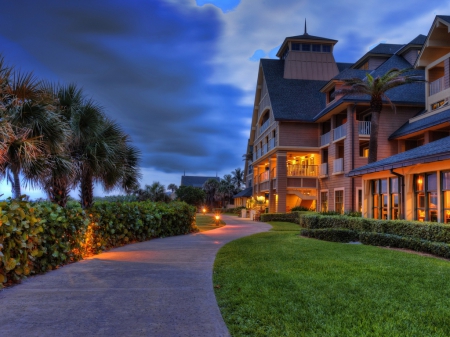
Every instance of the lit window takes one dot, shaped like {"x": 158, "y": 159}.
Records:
{"x": 339, "y": 201}
{"x": 380, "y": 199}
{"x": 437, "y": 105}
{"x": 324, "y": 201}
{"x": 446, "y": 196}
{"x": 426, "y": 196}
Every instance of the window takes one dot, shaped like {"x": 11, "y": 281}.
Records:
{"x": 306, "y": 47}
{"x": 425, "y": 188}
{"x": 360, "y": 201}
{"x": 324, "y": 201}
{"x": 365, "y": 66}
{"x": 339, "y": 201}
{"x": 295, "y": 46}
{"x": 446, "y": 196}
{"x": 331, "y": 95}
{"x": 364, "y": 149}
{"x": 437, "y": 105}
{"x": 394, "y": 195}
{"x": 316, "y": 47}
{"x": 326, "y": 48}
{"x": 380, "y": 199}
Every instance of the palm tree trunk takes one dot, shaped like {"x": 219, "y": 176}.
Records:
{"x": 59, "y": 193}
{"x": 16, "y": 185}
{"x": 87, "y": 190}
{"x": 373, "y": 142}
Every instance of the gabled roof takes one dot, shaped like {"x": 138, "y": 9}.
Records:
{"x": 342, "y": 66}
{"x": 411, "y": 94}
{"x": 422, "y": 124}
{"x": 431, "y": 152}
{"x": 417, "y": 43}
{"x": 195, "y": 181}
{"x": 292, "y": 100}
{"x": 418, "y": 40}
{"x": 383, "y": 49}
{"x": 247, "y": 193}
{"x": 444, "y": 17}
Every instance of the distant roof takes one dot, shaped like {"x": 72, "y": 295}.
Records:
{"x": 292, "y": 99}
{"x": 195, "y": 181}
{"x": 310, "y": 37}
{"x": 431, "y": 152}
{"x": 384, "y": 49}
{"x": 444, "y": 17}
{"x": 422, "y": 124}
{"x": 419, "y": 39}
{"x": 244, "y": 193}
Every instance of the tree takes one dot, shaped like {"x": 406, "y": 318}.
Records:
{"x": 154, "y": 192}
{"x": 238, "y": 178}
{"x": 191, "y": 195}
{"x": 210, "y": 187}
{"x": 377, "y": 88}
{"x": 172, "y": 187}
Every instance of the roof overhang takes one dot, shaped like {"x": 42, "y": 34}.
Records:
{"x": 434, "y": 41}
{"x": 300, "y": 40}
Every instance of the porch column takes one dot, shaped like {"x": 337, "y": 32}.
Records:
{"x": 255, "y": 180}
{"x": 272, "y": 192}
{"x": 281, "y": 181}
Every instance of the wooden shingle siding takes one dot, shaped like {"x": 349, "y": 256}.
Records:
{"x": 298, "y": 134}
{"x": 411, "y": 56}
{"x": 310, "y": 66}
{"x": 375, "y": 62}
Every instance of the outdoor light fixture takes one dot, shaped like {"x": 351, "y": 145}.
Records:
{"x": 217, "y": 218}
{"x": 204, "y": 211}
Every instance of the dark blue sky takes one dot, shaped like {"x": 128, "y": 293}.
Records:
{"x": 179, "y": 75}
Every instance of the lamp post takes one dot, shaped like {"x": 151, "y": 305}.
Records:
{"x": 217, "y": 219}
{"x": 204, "y": 211}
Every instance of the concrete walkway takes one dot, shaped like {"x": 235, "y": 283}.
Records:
{"x": 161, "y": 287}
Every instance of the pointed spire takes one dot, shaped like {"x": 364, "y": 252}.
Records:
{"x": 306, "y": 32}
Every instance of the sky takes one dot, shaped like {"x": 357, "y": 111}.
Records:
{"x": 179, "y": 75}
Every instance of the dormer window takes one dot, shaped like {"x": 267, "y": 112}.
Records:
{"x": 331, "y": 95}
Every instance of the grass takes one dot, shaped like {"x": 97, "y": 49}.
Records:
{"x": 207, "y": 222}
{"x": 279, "y": 284}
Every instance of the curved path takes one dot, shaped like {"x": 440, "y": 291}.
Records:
{"x": 161, "y": 287}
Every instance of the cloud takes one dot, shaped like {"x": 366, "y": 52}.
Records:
{"x": 224, "y": 5}
{"x": 257, "y": 55}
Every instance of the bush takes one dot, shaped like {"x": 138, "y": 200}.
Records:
{"x": 331, "y": 234}
{"x": 38, "y": 237}
{"x": 300, "y": 209}
{"x": 284, "y": 217}
{"x": 235, "y": 210}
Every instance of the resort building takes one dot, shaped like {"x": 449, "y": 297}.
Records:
{"x": 415, "y": 183}
{"x": 306, "y": 141}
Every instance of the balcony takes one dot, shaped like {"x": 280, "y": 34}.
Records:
{"x": 264, "y": 149}
{"x": 436, "y": 86}
{"x": 264, "y": 127}
{"x": 302, "y": 171}
{"x": 364, "y": 128}
{"x": 323, "y": 170}
{"x": 325, "y": 139}
{"x": 264, "y": 176}
{"x": 273, "y": 173}
{"x": 258, "y": 154}
{"x": 340, "y": 132}
{"x": 338, "y": 166}
{"x": 272, "y": 143}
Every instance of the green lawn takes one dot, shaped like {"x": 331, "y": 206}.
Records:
{"x": 279, "y": 284}
{"x": 206, "y": 222}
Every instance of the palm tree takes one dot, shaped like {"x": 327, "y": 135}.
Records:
{"x": 210, "y": 187}
{"x": 238, "y": 178}
{"x": 377, "y": 88}
{"x": 154, "y": 192}
{"x": 172, "y": 187}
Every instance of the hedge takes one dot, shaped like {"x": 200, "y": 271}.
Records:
{"x": 379, "y": 239}
{"x": 38, "y": 237}
{"x": 430, "y": 231}
{"x": 285, "y": 217}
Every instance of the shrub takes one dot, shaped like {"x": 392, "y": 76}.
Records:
{"x": 331, "y": 234}
{"x": 284, "y": 217}
{"x": 38, "y": 237}
{"x": 300, "y": 209}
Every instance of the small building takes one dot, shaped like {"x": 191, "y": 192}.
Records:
{"x": 195, "y": 181}
{"x": 240, "y": 199}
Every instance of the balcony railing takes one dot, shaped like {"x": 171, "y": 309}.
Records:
{"x": 338, "y": 165}
{"x": 437, "y": 86}
{"x": 258, "y": 153}
{"x": 364, "y": 128}
{"x": 273, "y": 173}
{"x": 264, "y": 127}
{"x": 254, "y": 156}
{"x": 272, "y": 143}
{"x": 323, "y": 169}
{"x": 264, "y": 149}
{"x": 264, "y": 176}
{"x": 325, "y": 139}
{"x": 302, "y": 170}
{"x": 340, "y": 131}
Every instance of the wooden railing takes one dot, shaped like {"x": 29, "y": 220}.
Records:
{"x": 264, "y": 176}
{"x": 437, "y": 86}
{"x": 338, "y": 165}
{"x": 340, "y": 131}
{"x": 323, "y": 169}
{"x": 363, "y": 128}
{"x": 302, "y": 170}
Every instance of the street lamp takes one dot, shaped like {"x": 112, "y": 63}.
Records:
{"x": 204, "y": 211}
{"x": 217, "y": 219}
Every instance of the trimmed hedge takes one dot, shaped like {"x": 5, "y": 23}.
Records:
{"x": 430, "y": 231}
{"x": 285, "y": 217}
{"x": 35, "y": 238}
{"x": 331, "y": 234}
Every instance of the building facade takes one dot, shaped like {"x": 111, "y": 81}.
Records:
{"x": 305, "y": 139}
